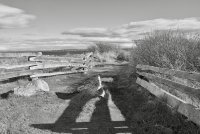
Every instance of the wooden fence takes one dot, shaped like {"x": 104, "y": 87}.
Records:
{"x": 35, "y": 64}
{"x": 179, "y": 89}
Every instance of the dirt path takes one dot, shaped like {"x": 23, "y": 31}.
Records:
{"x": 86, "y": 114}
{"x": 61, "y": 110}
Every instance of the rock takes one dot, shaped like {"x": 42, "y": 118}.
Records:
{"x": 32, "y": 88}
{"x": 41, "y": 85}
{"x": 27, "y": 90}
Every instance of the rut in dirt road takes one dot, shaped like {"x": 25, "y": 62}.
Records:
{"x": 87, "y": 114}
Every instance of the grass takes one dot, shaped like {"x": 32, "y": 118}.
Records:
{"x": 169, "y": 49}
{"x": 17, "y": 112}
{"x": 109, "y": 52}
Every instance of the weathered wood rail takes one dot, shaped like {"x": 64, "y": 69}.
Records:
{"x": 35, "y": 64}
{"x": 180, "y": 89}
{"x": 32, "y": 64}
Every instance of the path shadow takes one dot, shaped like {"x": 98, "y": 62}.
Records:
{"x": 100, "y": 122}
{"x": 66, "y": 96}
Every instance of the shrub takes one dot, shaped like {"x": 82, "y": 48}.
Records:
{"x": 92, "y": 48}
{"x": 123, "y": 56}
{"x": 103, "y": 48}
{"x": 170, "y": 49}
{"x": 109, "y": 52}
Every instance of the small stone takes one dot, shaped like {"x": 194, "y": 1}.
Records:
{"x": 41, "y": 85}
{"x": 26, "y": 90}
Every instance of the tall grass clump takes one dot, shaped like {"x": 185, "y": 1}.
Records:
{"x": 103, "y": 48}
{"x": 169, "y": 49}
{"x": 106, "y": 52}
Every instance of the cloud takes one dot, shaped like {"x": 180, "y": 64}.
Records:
{"x": 138, "y": 28}
{"x": 124, "y": 34}
{"x": 83, "y": 37}
{"x": 92, "y": 32}
{"x": 11, "y": 17}
{"x": 135, "y": 30}
{"x": 100, "y": 39}
{"x": 3, "y": 48}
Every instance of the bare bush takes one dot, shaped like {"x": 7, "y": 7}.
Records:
{"x": 170, "y": 49}
{"x": 103, "y": 48}
{"x": 106, "y": 52}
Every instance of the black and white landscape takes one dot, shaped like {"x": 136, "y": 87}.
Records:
{"x": 99, "y": 67}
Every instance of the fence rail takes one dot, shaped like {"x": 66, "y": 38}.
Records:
{"x": 32, "y": 64}
{"x": 27, "y": 64}
{"x": 57, "y": 59}
{"x": 172, "y": 72}
{"x": 175, "y": 87}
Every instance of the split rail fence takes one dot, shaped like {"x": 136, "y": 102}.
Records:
{"x": 179, "y": 89}
{"x": 34, "y": 64}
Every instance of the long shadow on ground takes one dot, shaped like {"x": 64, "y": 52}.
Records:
{"x": 100, "y": 121}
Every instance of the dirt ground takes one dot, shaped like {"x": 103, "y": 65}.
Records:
{"x": 129, "y": 109}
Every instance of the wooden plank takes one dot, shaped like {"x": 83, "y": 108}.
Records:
{"x": 57, "y": 59}
{"x": 20, "y": 54}
{"x": 172, "y": 91}
{"x": 110, "y": 64}
{"x": 5, "y": 76}
{"x": 191, "y": 95}
{"x": 155, "y": 90}
{"x": 181, "y": 74}
{"x": 188, "y": 110}
{"x": 55, "y": 65}
{"x": 55, "y": 73}
{"x": 28, "y": 64}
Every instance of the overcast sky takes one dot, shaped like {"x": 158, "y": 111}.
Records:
{"x": 109, "y": 20}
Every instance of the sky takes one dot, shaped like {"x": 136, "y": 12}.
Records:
{"x": 34, "y": 24}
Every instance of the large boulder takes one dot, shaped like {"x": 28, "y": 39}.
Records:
{"x": 32, "y": 88}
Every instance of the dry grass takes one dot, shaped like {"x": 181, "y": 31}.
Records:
{"x": 170, "y": 49}
{"x": 17, "y": 112}
{"x": 109, "y": 52}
